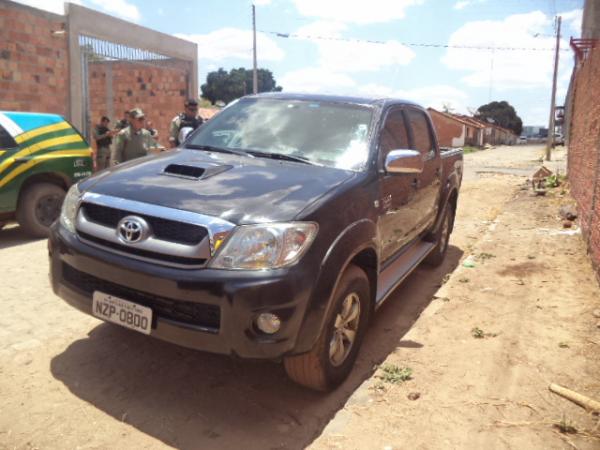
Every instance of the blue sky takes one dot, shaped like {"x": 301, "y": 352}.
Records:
{"x": 345, "y": 64}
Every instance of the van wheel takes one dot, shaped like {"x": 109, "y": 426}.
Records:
{"x": 39, "y": 206}
{"x": 442, "y": 237}
{"x": 331, "y": 359}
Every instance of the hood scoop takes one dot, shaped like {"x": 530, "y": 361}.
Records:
{"x": 195, "y": 172}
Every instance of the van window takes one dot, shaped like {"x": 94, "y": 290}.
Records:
{"x": 6, "y": 140}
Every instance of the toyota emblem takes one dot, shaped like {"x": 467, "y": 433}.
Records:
{"x": 132, "y": 229}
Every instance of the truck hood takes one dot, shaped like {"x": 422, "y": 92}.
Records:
{"x": 238, "y": 189}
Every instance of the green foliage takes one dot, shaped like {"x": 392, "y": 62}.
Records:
{"x": 503, "y": 114}
{"x": 227, "y": 86}
{"x": 394, "y": 374}
{"x": 565, "y": 426}
{"x": 477, "y": 333}
{"x": 552, "y": 181}
{"x": 467, "y": 149}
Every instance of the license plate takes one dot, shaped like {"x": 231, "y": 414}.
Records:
{"x": 122, "y": 312}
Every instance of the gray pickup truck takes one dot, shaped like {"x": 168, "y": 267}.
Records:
{"x": 275, "y": 231}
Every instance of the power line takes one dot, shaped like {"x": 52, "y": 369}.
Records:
{"x": 408, "y": 44}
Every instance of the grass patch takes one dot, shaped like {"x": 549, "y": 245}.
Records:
{"x": 394, "y": 374}
{"x": 484, "y": 256}
{"x": 565, "y": 426}
{"x": 468, "y": 149}
{"x": 478, "y": 333}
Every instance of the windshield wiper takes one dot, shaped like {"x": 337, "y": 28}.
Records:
{"x": 212, "y": 148}
{"x": 282, "y": 156}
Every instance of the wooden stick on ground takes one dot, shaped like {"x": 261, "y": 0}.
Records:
{"x": 581, "y": 400}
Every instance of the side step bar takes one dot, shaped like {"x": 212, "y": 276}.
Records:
{"x": 397, "y": 271}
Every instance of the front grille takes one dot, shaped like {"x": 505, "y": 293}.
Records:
{"x": 131, "y": 250}
{"x": 164, "y": 229}
{"x": 201, "y": 315}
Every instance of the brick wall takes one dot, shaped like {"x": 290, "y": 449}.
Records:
{"x": 33, "y": 61}
{"x": 447, "y": 129}
{"x": 159, "y": 91}
{"x": 584, "y": 151}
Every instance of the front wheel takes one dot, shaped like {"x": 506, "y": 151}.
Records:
{"x": 331, "y": 359}
{"x": 39, "y": 206}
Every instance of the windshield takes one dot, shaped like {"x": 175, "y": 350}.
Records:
{"x": 325, "y": 133}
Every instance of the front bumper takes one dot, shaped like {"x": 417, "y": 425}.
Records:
{"x": 204, "y": 309}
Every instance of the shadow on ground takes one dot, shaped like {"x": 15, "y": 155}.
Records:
{"x": 11, "y": 236}
{"x": 189, "y": 399}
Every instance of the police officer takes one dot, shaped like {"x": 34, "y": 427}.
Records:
{"x": 124, "y": 122}
{"x": 103, "y": 136}
{"x": 134, "y": 141}
{"x": 189, "y": 119}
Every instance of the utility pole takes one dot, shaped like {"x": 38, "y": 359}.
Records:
{"x": 550, "y": 142}
{"x": 254, "y": 71}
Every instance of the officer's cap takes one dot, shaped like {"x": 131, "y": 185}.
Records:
{"x": 136, "y": 113}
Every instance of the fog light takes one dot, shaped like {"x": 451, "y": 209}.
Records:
{"x": 268, "y": 323}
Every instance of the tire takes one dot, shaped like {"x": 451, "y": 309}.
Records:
{"x": 442, "y": 237}
{"x": 327, "y": 365}
{"x": 39, "y": 206}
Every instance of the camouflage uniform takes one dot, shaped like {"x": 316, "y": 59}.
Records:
{"x": 130, "y": 144}
{"x": 180, "y": 121}
{"x": 103, "y": 143}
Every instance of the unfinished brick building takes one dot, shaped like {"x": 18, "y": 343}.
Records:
{"x": 85, "y": 64}
{"x": 584, "y": 148}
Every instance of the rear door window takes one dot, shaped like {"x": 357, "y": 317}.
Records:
{"x": 6, "y": 140}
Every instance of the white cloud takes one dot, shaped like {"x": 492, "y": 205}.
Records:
{"x": 119, "y": 8}
{"x": 362, "y": 56}
{"x": 353, "y": 56}
{"x": 464, "y": 3}
{"x": 317, "y": 79}
{"x": 234, "y": 43}
{"x": 435, "y": 96}
{"x": 573, "y": 20}
{"x": 324, "y": 28}
{"x": 355, "y": 11}
{"x": 511, "y": 69}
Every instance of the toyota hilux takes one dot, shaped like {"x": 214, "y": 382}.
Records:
{"x": 275, "y": 231}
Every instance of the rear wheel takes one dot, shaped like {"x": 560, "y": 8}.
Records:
{"x": 39, "y": 206}
{"x": 438, "y": 254}
{"x": 331, "y": 359}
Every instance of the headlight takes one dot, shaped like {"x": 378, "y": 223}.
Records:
{"x": 265, "y": 246}
{"x": 69, "y": 208}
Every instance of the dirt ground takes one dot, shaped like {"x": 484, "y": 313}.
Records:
{"x": 71, "y": 381}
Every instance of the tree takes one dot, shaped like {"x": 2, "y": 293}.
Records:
{"x": 503, "y": 114}
{"x": 227, "y": 86}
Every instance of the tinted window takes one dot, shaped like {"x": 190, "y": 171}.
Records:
{"x": 393, "y": 135}
{"x": 6, "y": 140}
{"x": 327, "y": 133}
{"x": 420, "y": 131}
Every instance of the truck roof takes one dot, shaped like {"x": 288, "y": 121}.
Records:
{"x": 366, "y": 100}
{"x": 16, "y": 122}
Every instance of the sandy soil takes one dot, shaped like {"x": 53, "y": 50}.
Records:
{"x": 71, "y": 381}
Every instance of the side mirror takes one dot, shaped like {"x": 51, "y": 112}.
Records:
{"x": 404, "y": 161}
